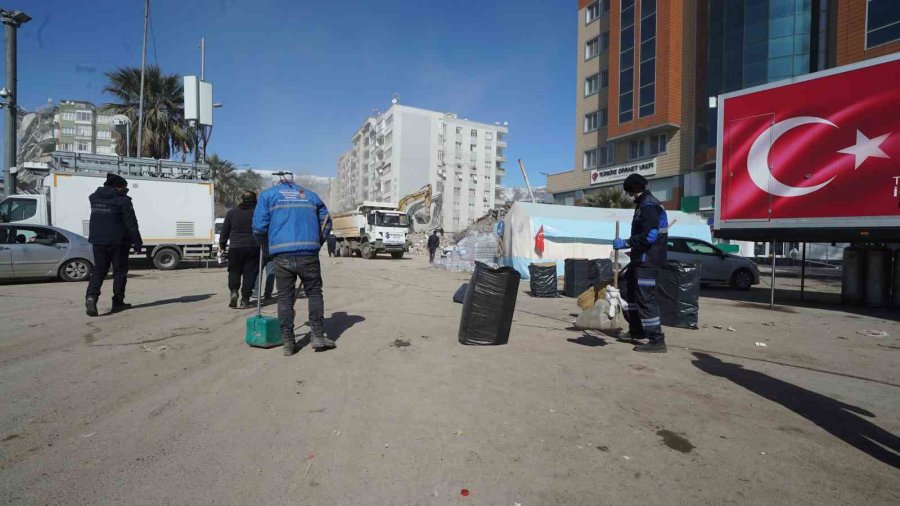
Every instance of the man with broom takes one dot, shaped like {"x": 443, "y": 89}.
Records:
{"x": 649, "y": 231}
{"x": 293, "y": 223}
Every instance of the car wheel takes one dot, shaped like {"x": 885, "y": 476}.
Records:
{"x": 75, "y": 270}
{"x": 166, "y": 259}
{"x": 742, "y": 279}
{"x": 397, "y": 255}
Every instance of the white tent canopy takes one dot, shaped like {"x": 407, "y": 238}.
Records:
{"x": 577, "y": 232}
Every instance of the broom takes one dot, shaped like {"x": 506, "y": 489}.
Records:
{"x": 590, "y": 296}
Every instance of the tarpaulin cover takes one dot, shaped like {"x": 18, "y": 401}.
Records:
{"x": 543, "y": 280}
{"x": 490, "y": 303}
{"x": 460, "y": 295}
{"x": 576, "y": 232}
{"x": 577, "y": 276}
{"x": 678, "y": 295}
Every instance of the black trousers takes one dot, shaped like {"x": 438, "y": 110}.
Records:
{"x": 287, "y": 270}
{"x": 431, "y": 255}
{"x": 642, "y": 311}
{"x": 106, "y": 255}
{"x": 243, "y": 264}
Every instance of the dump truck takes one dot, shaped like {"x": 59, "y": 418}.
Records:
{"x": 373, "y": 228}
{"x": 173, "y": 202}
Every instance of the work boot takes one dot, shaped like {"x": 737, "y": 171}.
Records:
{"x": 119, "y": 305}
{"x": 245, "y": 304}
{"x": 658, "y": 346}
{"x": 232, "y": 303}
{"x": 290, "y": 346}
{"x": 320, "y": 342}
{"x": 90, "y": 306}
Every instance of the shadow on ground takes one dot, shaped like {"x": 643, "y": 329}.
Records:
{"x": 179, "y": 300}
{"x": 841, "y": 420}
{"x": 785, "y": 299}
{"x": 340, "y": 322}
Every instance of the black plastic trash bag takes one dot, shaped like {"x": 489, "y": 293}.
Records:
{"x": 678, "y": 295}
{"x": 600, "y": 272}
{"x": 543, "y": 280}
{"x": 487, "y": 312}
{"x": 460, "y": 295}
{"x": 577, "y": 276}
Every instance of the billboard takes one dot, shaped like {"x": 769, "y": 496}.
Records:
{"x": 619, "y": 172}
{"x": 818, "y": 155}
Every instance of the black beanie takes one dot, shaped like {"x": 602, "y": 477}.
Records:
{"x": 115, "y": 180}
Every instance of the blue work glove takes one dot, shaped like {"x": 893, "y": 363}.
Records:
{"x": 619, "y": 244}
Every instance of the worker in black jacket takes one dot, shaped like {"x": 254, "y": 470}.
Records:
{"x": 243, "y": 254}
{"x": 649, "y": 233}
{"x": 433, "y": 243}
{"x": 113, "y": 231}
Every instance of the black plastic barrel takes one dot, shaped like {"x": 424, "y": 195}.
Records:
{"x": 489, "y": 306}
{"x": 853, "y": 288}
{"x": 896, "y": 288}
{"x": 542, "y": 279}
{"x": 878, "y": 277}
{"x": 577, "y": 272}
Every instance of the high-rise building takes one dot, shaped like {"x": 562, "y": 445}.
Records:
{"x": 84, "y": 129}
{"x": 400, "y": 150}
{"x": 649, "y": 72}
{"x": 635, "y": 94}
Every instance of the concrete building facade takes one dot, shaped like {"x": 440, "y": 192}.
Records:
{"x": 84, "y": 129}
{"x": 649, "y": 72}
{"x": 398, "y": 151}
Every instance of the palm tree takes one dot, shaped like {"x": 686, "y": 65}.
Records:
{"x": 613, "y": 198}
{"x": 165, "y": 130}
{"x": 227, "y": 180}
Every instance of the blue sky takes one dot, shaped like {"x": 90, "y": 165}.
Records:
{"x": 298, "y": 77}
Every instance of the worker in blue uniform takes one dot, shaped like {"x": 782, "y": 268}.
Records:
{"x": 649, "y": 233}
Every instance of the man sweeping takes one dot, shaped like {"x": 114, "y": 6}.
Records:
{"x": 293, "y": 223}
{"x": 649, "y": 231}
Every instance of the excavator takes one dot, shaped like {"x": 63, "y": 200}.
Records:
{"x": 417, "y": 205}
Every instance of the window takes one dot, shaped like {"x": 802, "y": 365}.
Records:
{"x": 626, "y": 62}
{"x": 648, "y": 146}
{"x": 595, "y": 10}
{"x": 82, "y": 147}
{"x": 700, "y": 248}
{"x": 389, "y": 138}
{"x": 472, "y": 147}
{"x": 599, "y": 157}
{"x": 658, "y": 144}
{"x": 604, "y": 117}
{"x": 104, "y": 134}
{"x": 440, "y": 156}
{"x": 458, "y": 149}
{"x": 647, "y": 93}
{"x": 489, "y": 136}
{"x": 591, "y": 121}
{"x": 472, "y": 193}
{"x": 592, "y": 84}
{"x": 882, "y": 22}
{"x": 440, "y": 138}
{"x": 458, "y": 130}
{"x": 68, "y": 116}
{"x": 68, "y": 130}
{"x": 637, "y": 149}
{"x": 457, "y": 192}
{"x": 14, "y": 209}
{"x": 67, "y": 146}
{"x": 593, "y": 47}
{"x": 474, "y": 133}
{"x": 83, "y": 131}
{"x": 104, "y": 120}
{"x": 389, "y": 121}
{"x": 83, "y": 115}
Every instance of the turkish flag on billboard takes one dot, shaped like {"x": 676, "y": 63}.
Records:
{"x": 827, "y": 147}
{"x": 539, "y": 241}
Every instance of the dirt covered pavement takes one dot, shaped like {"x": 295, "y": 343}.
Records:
{"x": 164, "y": 404}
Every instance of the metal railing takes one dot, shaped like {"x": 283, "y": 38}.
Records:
{"x": 67, "y": 161}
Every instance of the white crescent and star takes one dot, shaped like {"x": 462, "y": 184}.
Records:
{"x": 758, "y": 157}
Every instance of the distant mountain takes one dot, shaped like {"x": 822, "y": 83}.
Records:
{"x": 319, "y": 184}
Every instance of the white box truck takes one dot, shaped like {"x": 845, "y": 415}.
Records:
{"x": 375, "y": 227}
{"x": 173, "y": 202}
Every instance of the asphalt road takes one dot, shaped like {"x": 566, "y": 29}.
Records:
{"x": 164, "y": 404}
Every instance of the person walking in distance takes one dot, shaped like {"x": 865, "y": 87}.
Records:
{"x": 649, "y": 233}
{"x": 113, "y": 232}
{"x": 293, "y": 222}
{"x": 433, "y": 243}
{"x": 243, "y": 254}
{"x": 332, "y": 244}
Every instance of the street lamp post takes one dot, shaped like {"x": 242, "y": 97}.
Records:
{"x": 13, "y": 20}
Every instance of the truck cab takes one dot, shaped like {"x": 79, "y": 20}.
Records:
{"x": 386, "y": 231}
{"x": 373, "y": 228}
{"x": 25, "y": 209}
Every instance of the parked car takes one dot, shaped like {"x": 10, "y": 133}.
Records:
{"x": 716, "y": 266}
{"x": 36, "y": 251}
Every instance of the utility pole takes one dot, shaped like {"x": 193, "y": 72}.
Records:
{"x": 140, "y": 125}
{"x": 12, "y": 20}
{"x": 203, "y": 58}
{"x": 527, "y": 184}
